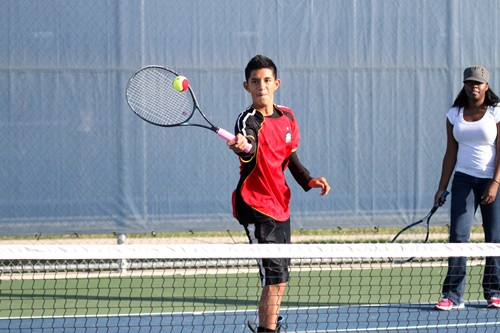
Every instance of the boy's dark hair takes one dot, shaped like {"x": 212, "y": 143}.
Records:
{"x": 259, "y": 62}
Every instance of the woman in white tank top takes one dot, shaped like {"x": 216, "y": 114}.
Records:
{"x": 473, "y": 157}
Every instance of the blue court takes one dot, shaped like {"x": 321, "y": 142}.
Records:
{"x": 353, "y": 318}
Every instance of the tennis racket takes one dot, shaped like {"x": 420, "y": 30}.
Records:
{"x": 151, "y": 96}
{"x": 414, "y": 232}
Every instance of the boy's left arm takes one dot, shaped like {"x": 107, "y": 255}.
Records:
{"x": 303, "y": 177}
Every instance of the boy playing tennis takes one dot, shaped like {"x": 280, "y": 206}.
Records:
{"x": 261, "y": 199}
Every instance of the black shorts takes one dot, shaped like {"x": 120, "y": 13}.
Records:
{"x": 274, "y": 270}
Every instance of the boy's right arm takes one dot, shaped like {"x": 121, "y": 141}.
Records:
{"x": 245, "y": 133}
{"x": 239, "y": 143}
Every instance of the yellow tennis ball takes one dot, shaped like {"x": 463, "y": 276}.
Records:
{"x": 180, "y": 83}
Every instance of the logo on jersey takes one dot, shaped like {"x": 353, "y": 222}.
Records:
{"x": 288, "y": 137}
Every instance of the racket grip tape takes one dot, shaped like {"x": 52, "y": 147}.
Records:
{"x": 443, "y": 196}
{"x": 230, "y": 137}
{"x": 442, "y": 199}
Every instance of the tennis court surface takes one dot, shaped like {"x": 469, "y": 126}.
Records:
{"x": 215, "y": 288}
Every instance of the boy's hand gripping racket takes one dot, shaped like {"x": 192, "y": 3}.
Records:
{"x": 152, "y": 97}
{"x": 409, "y": 234}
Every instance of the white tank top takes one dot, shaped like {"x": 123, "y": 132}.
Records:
{"x": 476, "y": 142}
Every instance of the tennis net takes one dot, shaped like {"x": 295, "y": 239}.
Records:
{"x": 215, "y": 288}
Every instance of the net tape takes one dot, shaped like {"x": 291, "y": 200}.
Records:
{"x": 203, "y": 251}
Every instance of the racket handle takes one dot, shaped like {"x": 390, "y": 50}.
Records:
{"x": 230, "y": 137}
{"x": 442, "y": 199}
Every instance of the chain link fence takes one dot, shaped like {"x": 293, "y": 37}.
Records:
{"x": 370, "y": 82}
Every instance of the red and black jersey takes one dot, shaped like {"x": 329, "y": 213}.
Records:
{"x": 262, "y": 192}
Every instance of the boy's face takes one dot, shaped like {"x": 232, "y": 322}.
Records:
{"x": 261, "y": 85}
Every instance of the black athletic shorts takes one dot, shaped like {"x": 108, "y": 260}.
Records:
{"x": 274, "y": 270}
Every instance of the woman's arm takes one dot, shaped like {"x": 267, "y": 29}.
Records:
{"x": 449, "y": 161}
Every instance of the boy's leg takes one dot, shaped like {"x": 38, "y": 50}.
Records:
{"x": 273, "y": 272}
{"x": 269, "y": 307}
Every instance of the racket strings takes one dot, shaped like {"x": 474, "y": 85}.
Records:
{"x": 151, "y": 95}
